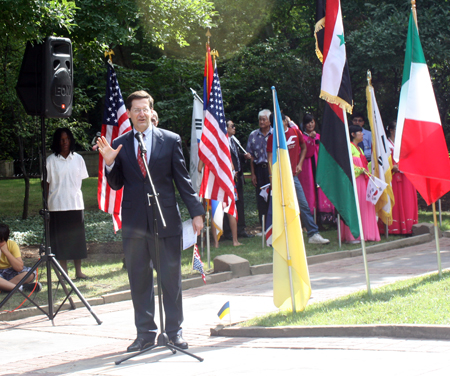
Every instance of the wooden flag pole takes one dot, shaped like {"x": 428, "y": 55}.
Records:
{"x": 208, "y": 250}
{"x": 436, "y": 228}
{"x": 289, "y": 262}
{"x": 263, "y": 230}
{"x": 363, "y": 243}
{"x": 436, "y": 237}
{"x": 339, "y": 230}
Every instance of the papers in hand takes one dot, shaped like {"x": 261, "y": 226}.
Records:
{"x": 189, "y": 237}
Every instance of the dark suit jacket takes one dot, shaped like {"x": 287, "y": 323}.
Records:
{"x": 167, "y": 165}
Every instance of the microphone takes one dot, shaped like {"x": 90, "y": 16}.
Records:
{"x": 141, "y": 142}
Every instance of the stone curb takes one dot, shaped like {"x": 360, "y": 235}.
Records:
{"x": 225, "y": 276}
{"x": 396, "y": 244}
{"x": 436, "y": 332}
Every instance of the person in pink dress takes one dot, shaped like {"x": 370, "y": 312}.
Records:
{"x": 405, "y": 212}
{"x": 367, "y": 209}
{"x": 314, "y": 195}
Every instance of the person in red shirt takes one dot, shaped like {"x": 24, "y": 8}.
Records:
{"x": 297, "y": 150}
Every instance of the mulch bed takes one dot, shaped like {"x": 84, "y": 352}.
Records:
{"x": 94, "y": 249}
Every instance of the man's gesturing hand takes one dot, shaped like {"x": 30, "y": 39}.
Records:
{"x": 108, "y": 153}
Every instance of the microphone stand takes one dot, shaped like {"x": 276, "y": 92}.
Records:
{"x": 163, "y": 338}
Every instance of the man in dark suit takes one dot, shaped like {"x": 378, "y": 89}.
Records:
{"x": 167, "y": 165}
{"x": 238, "y": 160}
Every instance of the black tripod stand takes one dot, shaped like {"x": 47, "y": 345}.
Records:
{"x": 163, "y": 338}
{"x": 47, "y": 257}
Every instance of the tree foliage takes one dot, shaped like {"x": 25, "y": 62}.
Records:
{"x": 160, "y": 46}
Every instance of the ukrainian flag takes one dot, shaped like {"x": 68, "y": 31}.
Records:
{"x": 225, "y": 310}
{"x": 291, "y": 284}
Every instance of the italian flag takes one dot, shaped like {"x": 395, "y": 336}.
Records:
{"x": 420, "y": 147}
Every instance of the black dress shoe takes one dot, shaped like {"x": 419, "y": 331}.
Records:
{"x": 178, "y": 341}
{"x": 140, "y": 344}
{"x": 245, "y": 235}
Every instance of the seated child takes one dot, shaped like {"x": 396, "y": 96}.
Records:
{"x": 12, "y": 269}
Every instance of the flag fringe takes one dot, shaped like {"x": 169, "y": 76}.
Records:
{"x": 319, "y": 26}
{"x": 333, "y": 99}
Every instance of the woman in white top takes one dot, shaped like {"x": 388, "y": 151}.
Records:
{"x": 65, "y": 172}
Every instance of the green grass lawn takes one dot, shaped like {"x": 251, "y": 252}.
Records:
{"x": 421, "y": 300}
{"x": 105, "y": 270}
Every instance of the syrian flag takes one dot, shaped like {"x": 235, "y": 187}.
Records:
{"x": 420, "y": 147}
{"x": 334, "y": 167}
{"x": 336, "y": 86}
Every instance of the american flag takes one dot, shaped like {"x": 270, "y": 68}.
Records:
{"x": 197, "y": 263}
{"x": 214, "y": 150}
{"x": 115, "y": 123}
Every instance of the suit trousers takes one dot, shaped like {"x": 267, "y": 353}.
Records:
{"x": 140, "y": 260}
{"x": 239, "y": 207}
{"x": 262, "y": 178}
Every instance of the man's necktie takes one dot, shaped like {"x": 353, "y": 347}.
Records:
{"x": 141, "y": 162}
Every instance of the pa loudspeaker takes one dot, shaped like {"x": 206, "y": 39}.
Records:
{"x": 45, "y": 84}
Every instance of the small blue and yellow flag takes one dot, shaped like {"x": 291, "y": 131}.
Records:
{"x": 225, "y": 310}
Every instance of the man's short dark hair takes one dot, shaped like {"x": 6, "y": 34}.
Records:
{"x": 56, "y": 144}
{"x": 141, "y": 94}
{"x": 283, "y": 117}
{"x": 359, "y": 115}
{"x": 4, "y": 232}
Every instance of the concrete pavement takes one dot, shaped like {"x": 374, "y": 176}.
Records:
{"x": 76, "y": 345}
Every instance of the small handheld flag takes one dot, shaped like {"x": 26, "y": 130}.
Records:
{"x": 225, "y": 310}
{"x": 375, "y": 188}
{"x": 197, "y": 263}
{"x": 265, "y": 192}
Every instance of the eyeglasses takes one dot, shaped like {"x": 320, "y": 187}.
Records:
{"x": 138, "y": 110}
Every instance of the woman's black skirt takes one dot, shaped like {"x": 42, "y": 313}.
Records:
{"x": 67, "y": 235}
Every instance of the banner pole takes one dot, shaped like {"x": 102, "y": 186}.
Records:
{"x": 263, "y": 230}
{"x": 339, "y": 230}
{"x": 208, "y": 240}
{"x": 436, "y": 237}
{"x": 275, "y": 118}
{"x": 363, "y": 243}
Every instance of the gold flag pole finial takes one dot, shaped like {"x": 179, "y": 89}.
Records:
{"x": 214, "y": 54}
{"x": 369, "y": 77}
{"x": 414, "y": 11}
{"x": 109, "y": 53}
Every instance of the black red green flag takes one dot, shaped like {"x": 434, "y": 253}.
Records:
{"x": 334, "y": 167}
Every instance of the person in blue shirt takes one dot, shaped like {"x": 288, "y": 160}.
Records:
{"x": 366, "y": 144}
{"x": 257, "y": 147}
